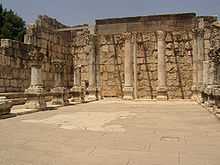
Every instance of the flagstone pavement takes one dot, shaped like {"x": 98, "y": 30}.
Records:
{"x": 113, "y": 132}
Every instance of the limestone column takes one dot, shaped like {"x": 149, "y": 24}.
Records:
{"x": 195, "y": 65}
{"x": 128, "y": 72}
{"x": 134, "y": 51}
{"x": 77, "y": 89}
{"x": 92, "y": 69}
{"x": 200, "y": 44}
{"x": 59, "y": 91}
{"x": 36, "y": 79}
{"x": 35, "y": 93}
{"x": 161, "y": 67}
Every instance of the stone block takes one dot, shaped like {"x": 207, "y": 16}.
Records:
{"x": 6, "y": 43}
{"x": 5, "y": 106}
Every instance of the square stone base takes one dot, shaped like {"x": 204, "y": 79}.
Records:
{"x": 162, "y": 94}
{"x": 128, "y": 93}
{"x": 92, "y": 94}
{"x": 5, "y": 106}
{"x": 194, "y": 93}
{"x": 37, "y": 102}
{"x": 76, "y": 93}
{"x": 60, "y": 96}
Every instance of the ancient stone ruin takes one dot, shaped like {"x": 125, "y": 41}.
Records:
{"x": 160, "y": 57}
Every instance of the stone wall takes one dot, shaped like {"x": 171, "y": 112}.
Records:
{"x": 146, "y": 58}
{"x": 175, "y": 39}
{"x": 178, "y": 54}
{"x": 179, "y": 64}
{"x": 54, "y": 44}
{"x": 14, "y": 66}
{"x": 110, "y": 50}
{"x": 80, "y": 51}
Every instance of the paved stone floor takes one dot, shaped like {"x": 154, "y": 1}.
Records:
{"x": 113, "y": 133}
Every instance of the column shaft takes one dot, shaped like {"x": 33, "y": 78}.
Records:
{"x": 135, "y": 67}
{"x": 161, "y": 67}
{"x": 36, "y": 75}
{"x": 195, "y": 65}
{"x": 128, "y": 84}
{"x": 92, "y": 69}
{"x": 200, "y": 43}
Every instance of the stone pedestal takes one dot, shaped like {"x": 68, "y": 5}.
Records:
{"x": 35, "y": 101}
{"x": 60, "y": 93}
{"x": 161, "y": 67}
{"x": 128, "y": 93}
{"x": 92, "y": 94}
{"x": 5, "y": 106}
{"x": 60, "y": 96}
{"x": 35, "y": 93}
{"x": 76, "y": 92}
{"x": 128, "y": 89}
{"x": 161, "y": 93}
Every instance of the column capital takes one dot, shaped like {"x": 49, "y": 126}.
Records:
{"x": 160, "y": 35}
{"x": 35, "y": 56}
{"x": 127, "y": 36}
{"x": 194, "y": 32}
{"x": 59, "y": 65}
{"x": 200, "y": 32}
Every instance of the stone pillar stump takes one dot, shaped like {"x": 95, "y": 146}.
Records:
{"x": 60, "y": 93}
{"x": 76, "y": 90}
{"x": 35, "y": 93}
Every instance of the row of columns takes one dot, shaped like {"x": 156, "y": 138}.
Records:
{"x": 130, "y": 81}
{"x": 129, "y": 89}
{"x": 36, "y": 93}
{"x": 60, "y": 93}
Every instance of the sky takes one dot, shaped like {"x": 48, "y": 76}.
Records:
{"x": 74, "y": 12}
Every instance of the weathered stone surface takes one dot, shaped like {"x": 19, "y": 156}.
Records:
{"x": 72, "y": 45}
{"x": 5, "y": 106}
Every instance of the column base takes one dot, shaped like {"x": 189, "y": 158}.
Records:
{"x": 92, "y": 94}
{"x": 194, "y": 93}
{"x": 162, "y": 94}
{"x": 36, "y": 101}
{"x": 35, "y": 98}
{"x": 128, "y": 93}
{"x": 76, "y": 93}
{"x": 60, "y": 96}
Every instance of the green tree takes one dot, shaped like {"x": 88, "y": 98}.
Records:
{"x": 11, "y": 25}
